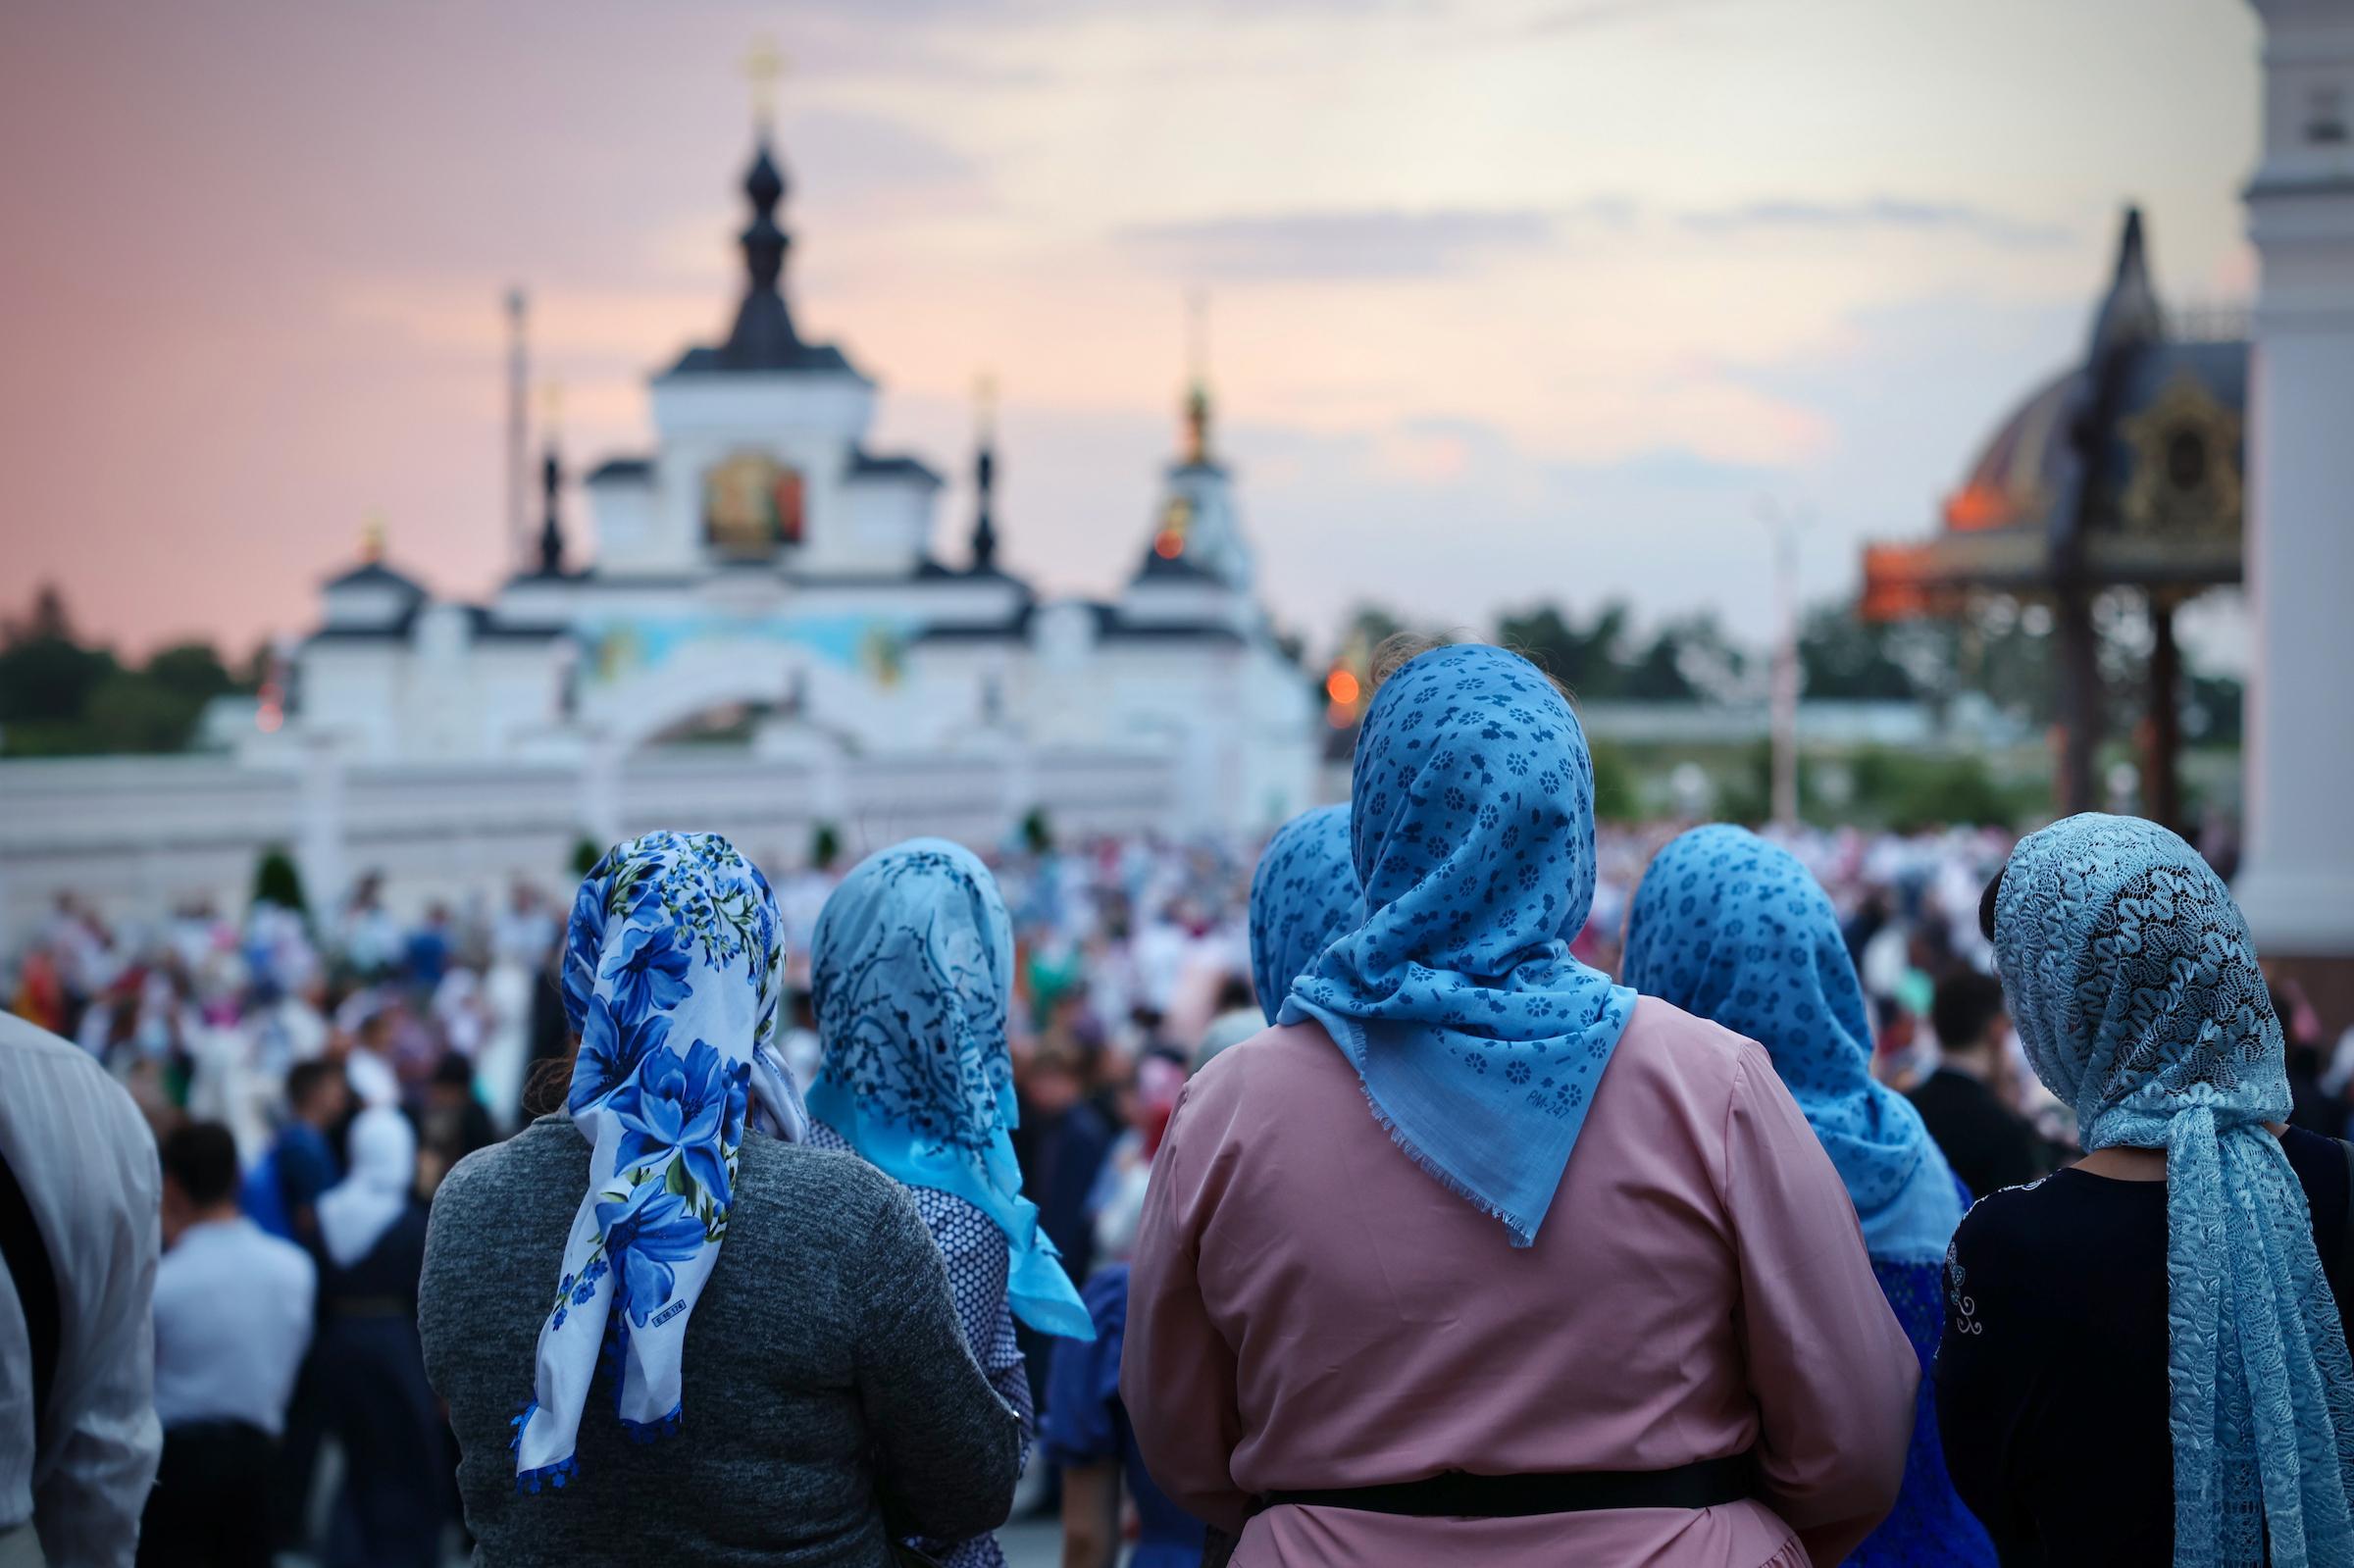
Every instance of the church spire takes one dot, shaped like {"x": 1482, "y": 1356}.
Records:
{"x": 1197, "y": 396}
{"x": 551, "y": 482}
{"x": 763, "y": 337}
{"x": 985, "y": 475}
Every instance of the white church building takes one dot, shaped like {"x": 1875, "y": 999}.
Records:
{"x": 762, "y": 560}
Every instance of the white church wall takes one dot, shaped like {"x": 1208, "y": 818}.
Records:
{"x": 889, "y": 517}
{"x": 625, "y": 513}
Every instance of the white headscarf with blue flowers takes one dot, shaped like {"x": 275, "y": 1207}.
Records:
{"x": 1478, "y": 1038}
{"x": 673, "y": 967}
{"x": 912, "y": 971}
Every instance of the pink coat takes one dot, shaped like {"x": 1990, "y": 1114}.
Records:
{"x": 1308, "y": 1309}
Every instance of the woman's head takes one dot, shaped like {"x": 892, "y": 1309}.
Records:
{"x": 1303, "y": 896}
{"x": 1474, "y": 793}
{"x": 1732, "y": 927}
{"x": 382, "y": 1150}
{"x": 911, "y": 970}
{"x": 2132, "y": 982}
{"x": 674, "y": 958}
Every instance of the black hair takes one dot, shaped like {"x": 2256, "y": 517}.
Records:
{"x": 1994, "y": 889}
{"x": 304, "y": 1078}
{"x": 1965, "y": 1004}
{"x": 201, "y": 1159}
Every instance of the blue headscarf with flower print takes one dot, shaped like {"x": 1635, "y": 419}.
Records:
{"x": 912, "y": 971}
{"x": 1478, "y": 1038}
{"x": 1303, "y": 896}
{"x": 2136, "y": 991}
{"x": 673, "y": 969}
{"x": 1733, "y": 929}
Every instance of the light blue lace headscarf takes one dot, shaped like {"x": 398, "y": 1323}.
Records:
{"x": 1478, "y": 1038}
{"x": 911, "y": 972}
{"x": 1303, "y": 896}
{"x": 2135, "y": 986}
{"x": 673, "y": 966}
{"x": 1733, "y": 929}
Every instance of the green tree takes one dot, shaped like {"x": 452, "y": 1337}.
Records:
{"x": 191, "y": 671}
{"x": 46, "y": 675}
{"x": 277, "y": 881}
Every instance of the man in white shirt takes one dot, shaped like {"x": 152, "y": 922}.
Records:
{"x": 232, "y": 1318}
{"x": 75, "y": 1337}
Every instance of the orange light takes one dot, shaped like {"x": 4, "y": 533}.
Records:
{"x": 1976, "y": 506}
{"x": 1168, "y": 545}
{"x": 1342, "y": 687}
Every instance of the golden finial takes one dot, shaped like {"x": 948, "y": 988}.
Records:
{"x": 764, "y": 65}
{"x": 371, "y": 538}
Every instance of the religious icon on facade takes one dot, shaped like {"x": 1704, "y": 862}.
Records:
{"x": 752, "y": 504}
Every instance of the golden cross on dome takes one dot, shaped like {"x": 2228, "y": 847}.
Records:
{"x": 764, "y": 65}
{"x": 984, "y": 404}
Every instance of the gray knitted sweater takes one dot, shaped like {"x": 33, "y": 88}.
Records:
{"x": 827, "y": 1385}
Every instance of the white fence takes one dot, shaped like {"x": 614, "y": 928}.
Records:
{"x": 135, "y": 836}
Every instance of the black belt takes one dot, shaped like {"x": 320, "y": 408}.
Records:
{"x": 1460, "y": 1494}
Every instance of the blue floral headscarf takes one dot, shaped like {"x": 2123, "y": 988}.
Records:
{"x": 2135, "y": 989}
{"x": 1478, "y": 1038}
{"x": 1303, "y": 896}
{"x": 1733, "y": 929}
{"x": 911, "y": 970}
{"x": 673, "y": 966}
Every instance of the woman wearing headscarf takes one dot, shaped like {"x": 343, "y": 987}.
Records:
{"x": 1733, "y": 929}
{"x": 1478, "y": 1257}
{"x": 373, "y": 1395}
{"x": 1303, "y": 896}
{"x": 2145, "y": 1353}
{"x": 911, "y": 972}
{"x": 663, "y": 1330}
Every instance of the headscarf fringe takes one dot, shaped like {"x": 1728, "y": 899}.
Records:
{"x": 1515, "y": 1227}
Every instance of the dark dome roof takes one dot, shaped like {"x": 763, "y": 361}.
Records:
{"x": 2019, "y": 470}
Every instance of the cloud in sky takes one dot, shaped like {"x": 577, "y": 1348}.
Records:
{"x": 1889, "y": 214}
{"x": 1388, "y": 243}
{"x": 1370, "y": 243}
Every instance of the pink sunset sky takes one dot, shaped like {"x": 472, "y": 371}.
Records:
{"x": 1510, "y": 300}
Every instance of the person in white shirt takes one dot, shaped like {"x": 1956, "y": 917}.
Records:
{"x": 232, "y": 1318}
{"x": 79, "y": 1437}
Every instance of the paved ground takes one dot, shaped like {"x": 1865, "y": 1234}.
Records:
{"x": 1034, "y": 1544}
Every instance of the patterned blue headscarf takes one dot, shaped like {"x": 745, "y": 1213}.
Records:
{"x": 1478, "y": 1038}
{"x": 2135, "y": 986}
{"x": 912, "y": 970}
{"x": 1733, "y": 929}
{"x": 673, "y": 967}
{"x": 1303, "y": 896}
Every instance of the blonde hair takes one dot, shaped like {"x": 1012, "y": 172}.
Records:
{"x": 1400, "y": 648}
